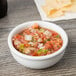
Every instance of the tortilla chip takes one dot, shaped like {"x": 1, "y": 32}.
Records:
{"x": 51, "y": 12}
{"x": 63, "y": 3}
{"x": 72, "y": 9}
{"x": 65, "y": 8}
{"x": 56, "y": 14}
{"x": 52, "y": 3}
{"x": 57, "y": 8}
{"x": 47, "y": 9}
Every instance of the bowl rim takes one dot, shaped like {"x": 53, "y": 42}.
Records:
{"x": 12, "y": 49}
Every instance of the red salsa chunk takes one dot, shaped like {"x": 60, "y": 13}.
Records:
{"x": 37, "y": 41}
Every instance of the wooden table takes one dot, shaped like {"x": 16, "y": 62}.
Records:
{"x": 20, "y": 11}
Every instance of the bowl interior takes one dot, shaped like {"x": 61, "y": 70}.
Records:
{"x": 47, "y": 25}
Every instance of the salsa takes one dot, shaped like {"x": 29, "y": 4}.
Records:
{"x": 37, "y": 41}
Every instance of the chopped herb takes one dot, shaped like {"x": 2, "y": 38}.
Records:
{"x": 41, "y": 30}
{"x": 48, "y": 39}
{"x": 45, "y": 41}
{"x": 32, "y": 39}
{"x": 42, "y": 51}
{"x": 39, "y": 51}
{"x": 58, "y": 46}
{"x": 21, "y": 34}
{"x": 57, "y": 36}
{"x": 54, "y": 43}
{"x": 21, "y": 47}
{"x": 45, "y": 51}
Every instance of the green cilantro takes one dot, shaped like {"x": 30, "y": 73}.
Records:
{"x": 48, "y": 39}
{"x": 42, "y": 51}
{"x": 57, "y": 36}
{"x": 58, "y": 46}
{"x": 41, "y": 30}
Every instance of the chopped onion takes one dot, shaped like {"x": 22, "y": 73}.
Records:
{"x": 27, "y": 51}
{"x": 33, "y": 30}
{"x": 31, "y": 48}
{"x": 28, "y": 37}
{"x": 40, "y": 46}
{"x": 47, "y": 33}
{"x": 39, "y": 40}
{"x": 31, "y": 43}
{"x": 16, "y": 42}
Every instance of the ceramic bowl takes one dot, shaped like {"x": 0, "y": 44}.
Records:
{"x": 40, "y": 62}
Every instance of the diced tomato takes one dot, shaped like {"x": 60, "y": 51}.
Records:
{"x": 49, "y": 52}
{"x": 56, "y": 46}
{"x": 17, "y": 36}
{"x": 32, "y": 34}
{"x": 43, "y": 37}
{"x": 54, "y": 34}
{"x": 59, "y": 41}
{"x": 36, "y": 45}
{"x": 26, "y": 45}
{"x": 34, "y": 53}
{"x": 53, "y": 42}
{"x": 48, "y": 45}
{"x": 35, "y": 26}
{"x": 27, "y": 31}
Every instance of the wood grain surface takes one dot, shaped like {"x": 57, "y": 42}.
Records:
{"x": 20, "y": 11}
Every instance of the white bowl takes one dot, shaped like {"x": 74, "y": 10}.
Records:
{"x": 41, "y": 61}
